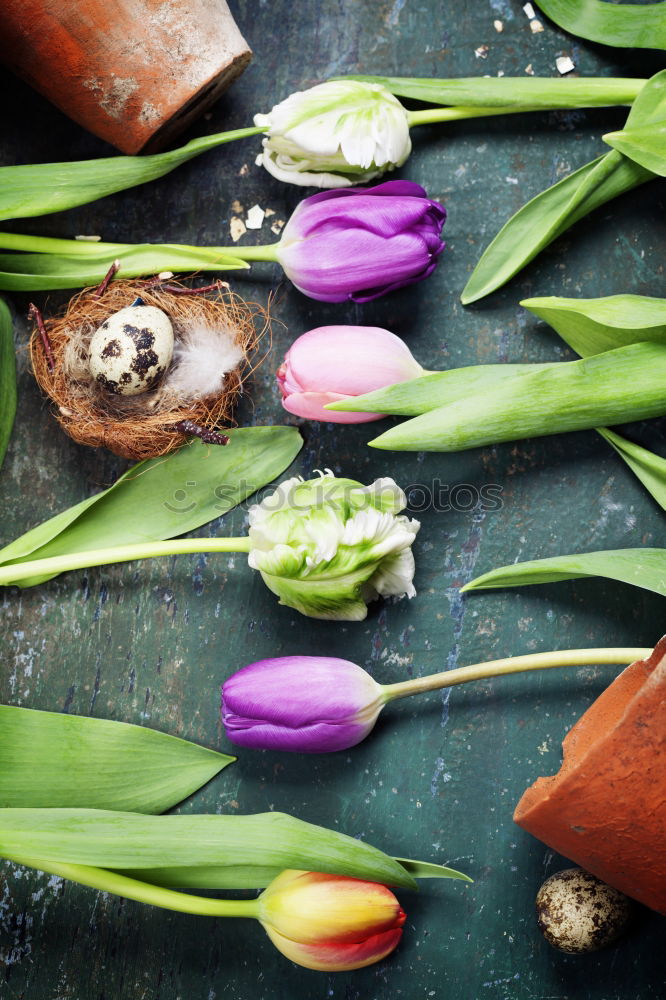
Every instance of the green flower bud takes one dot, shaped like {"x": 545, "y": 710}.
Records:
{"x": 328, "y": 546}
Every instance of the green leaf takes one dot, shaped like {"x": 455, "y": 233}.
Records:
{"x": 643, "y": 138}
{"x": 48, "y": 759}
{"x": 646, "y": 145}
{"x": 432, "y": 391}
{"x": 547, "y": 216}
{"x": 28, "y": 272}
{"x": 189, "y": 851}
{"x": 555, "y": 210}
{"x": 618, "y": 386}
{"x": 423, "y": 869}
{"x": 650, "y": 468}
{"x": 163, "y": 497}
{"x": 634, "y": 27}
{"x": 38, "y": 189}
{"x": 7, "y": 379}
{"x": 532, "y": 93}
{"x": 644, "y": 568}
{"x": 592, "y": 326}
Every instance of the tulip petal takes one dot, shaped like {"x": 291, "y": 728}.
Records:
{"x": 398, "y": 189}
{"x": 386, "y": 217}
{"x": 355, "y": 264}
{"x": 349, "y": 360}
{"x": 337, "y": 956}
{"x": 320, "y": 738}
{"x": 310, "y": 406}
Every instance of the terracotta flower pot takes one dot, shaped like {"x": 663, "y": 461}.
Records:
{"x": 606, "y": 808}
{"x": 134, "y": 72}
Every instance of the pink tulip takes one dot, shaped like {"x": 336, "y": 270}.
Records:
{"x": 339, "y": 362}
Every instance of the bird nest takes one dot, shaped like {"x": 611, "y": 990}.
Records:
{"x": 215, "y": 337}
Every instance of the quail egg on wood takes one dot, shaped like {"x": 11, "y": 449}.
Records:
{"x": 577, "y": 912}
{"x": 132, "y": 349}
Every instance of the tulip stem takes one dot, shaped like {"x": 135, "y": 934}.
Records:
{"x": 513, "y": 665}
{"x": 267, "y": 253}
{"x": 119, "y": 553}
{"x": 79, "y": 248}
{"x": 430, "y": 116}
{"x": 142, "y": 892}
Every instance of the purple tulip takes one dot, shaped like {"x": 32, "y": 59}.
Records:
{"x": 359, "y": 243}
{"x": 319, "y": 704}
{"x": 311, "y": 704}
{"x": 337, "y": 362}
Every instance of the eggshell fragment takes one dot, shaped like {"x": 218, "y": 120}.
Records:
{"x": 578, "y": 913}
{"x": 130, "y": 352}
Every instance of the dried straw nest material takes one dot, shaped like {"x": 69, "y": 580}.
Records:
{"x": 215, "y": 336}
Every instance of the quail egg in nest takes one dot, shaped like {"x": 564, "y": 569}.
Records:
{"x": 132, "y": 349}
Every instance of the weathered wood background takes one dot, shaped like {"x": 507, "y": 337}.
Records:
{"x": 150, "y": 643}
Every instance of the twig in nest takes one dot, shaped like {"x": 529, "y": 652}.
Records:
{"x": 106, "y": 281}
{"x": 35, "y": 313}
{"x": 178, "y": 290}
{"x": 196, "y": 430}
{"x": 215, "y": 286}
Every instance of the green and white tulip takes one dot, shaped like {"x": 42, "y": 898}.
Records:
{"x": 336, "y": 134}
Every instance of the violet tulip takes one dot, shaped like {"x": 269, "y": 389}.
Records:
{"x": 331, "y": 923}
{"x": 332, "y": 363}
{"x": 338, "y": 245}
{"x": 315, "y": 704}
{"x": 319, "y": 704}
{"x": 360, "y": 243}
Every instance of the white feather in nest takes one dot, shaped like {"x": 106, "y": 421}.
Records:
{"x": 201, "y": 359}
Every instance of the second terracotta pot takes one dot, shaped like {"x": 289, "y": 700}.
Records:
{"x": 606, "y": 808}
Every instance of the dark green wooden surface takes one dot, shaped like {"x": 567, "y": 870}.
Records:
{"x": 150, "y": 643}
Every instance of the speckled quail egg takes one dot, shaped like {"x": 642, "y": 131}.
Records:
{"x": 130, "y": 352}
{"x": 577, "y": 912}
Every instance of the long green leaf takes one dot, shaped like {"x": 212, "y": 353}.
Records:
{"x": 53, "y": 760}
{"x": 206, "y": 851}
{"x": 592, "y": 326}
{"x": 650, "y": 468}
{"x": 644, "y": 568}
{"x": 633, "y": 27}
{"x": 646, "y": 145}
{"x": 432, "y": 391}
{"x": 618, "y": 386}
{"x": 163, "y": 497}
{"x": 531, "y": 93}
{"x": 209, "y": 876}
{"x": 7, "y": 379}
{"x": 38, "y": 189}
{"x": 29, "y": 272}
{"x": 555, "y": 210}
